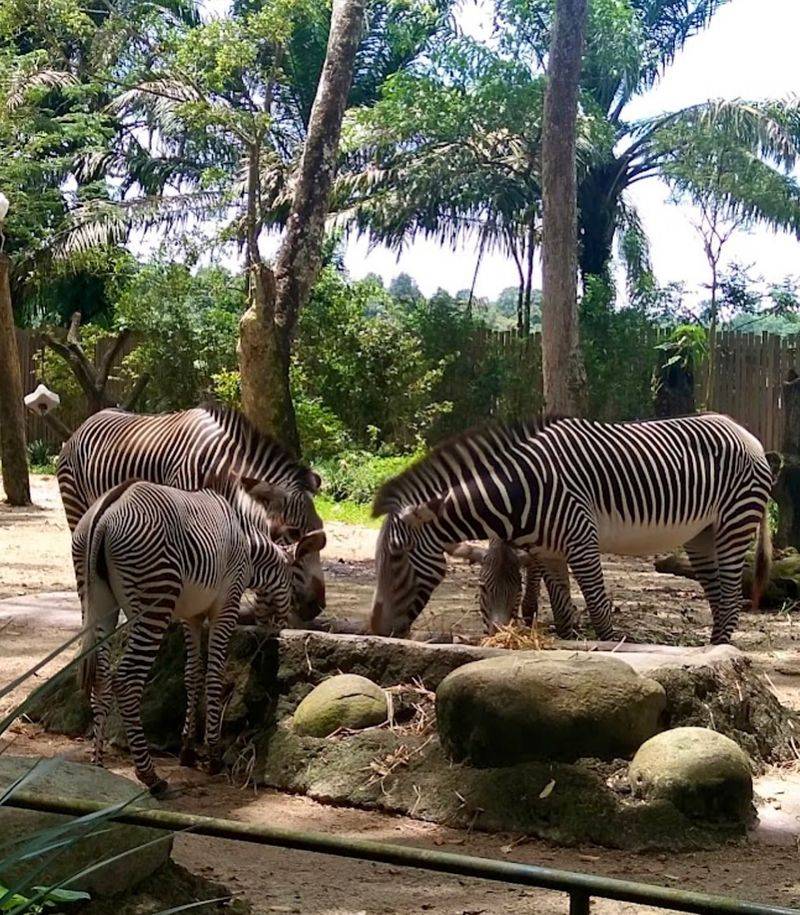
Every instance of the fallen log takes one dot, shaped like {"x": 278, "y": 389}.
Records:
{"x": 784, "y": 581}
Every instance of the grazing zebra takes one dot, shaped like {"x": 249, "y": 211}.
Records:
{"x": 187, "y": 449}
{"x": 502, "y": 591}
{"x": 570, "y": 488}
{"x": 161, "y": 554}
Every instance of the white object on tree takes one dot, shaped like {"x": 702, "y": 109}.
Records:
{"x": 42, "y": 400}
{"x": 4, "y": 204}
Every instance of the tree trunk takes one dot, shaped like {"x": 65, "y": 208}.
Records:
{"x": 786, "y": 491}
{"x": 268, "y": 326}
{"x": 562, "y": 363}
{"x": 13, "y": 452}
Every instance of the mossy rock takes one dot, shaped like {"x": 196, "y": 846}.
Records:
{"x": 700, "y": 772}
{"x": 502, "y": 711}
{"x": 344, "y": 701}
{"x": 64, "y": 779}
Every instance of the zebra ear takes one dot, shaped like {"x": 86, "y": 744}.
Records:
{"x": 312, "y": 542}
{"x": 417, "y": 515}
{"x": 312, "y": 481}
{"x": 271, "y": 495}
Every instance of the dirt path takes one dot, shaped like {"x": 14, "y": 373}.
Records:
{"x": 34, "y": 551}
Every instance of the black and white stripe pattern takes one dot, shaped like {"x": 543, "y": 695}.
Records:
{"x": 569, "y": 489}
{"x": 186, "y": 450}
{"x": 162, "y": 553}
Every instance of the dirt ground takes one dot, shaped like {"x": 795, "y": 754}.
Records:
{"x": 34, "y": 558}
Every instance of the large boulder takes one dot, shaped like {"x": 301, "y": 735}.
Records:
{"x": 343, "y": 701}
{"x": 702, "y": 773}
{"x": 506, "y": 710}
{"x": 103, "y": 841}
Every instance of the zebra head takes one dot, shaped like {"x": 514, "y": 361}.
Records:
{"x": 292, "y": 517}
{"x": 409, "y": 564}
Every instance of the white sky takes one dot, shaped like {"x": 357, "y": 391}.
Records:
{"x": 749, "y": 51}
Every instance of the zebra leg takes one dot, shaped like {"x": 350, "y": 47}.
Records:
{"x": 732, "y": 541}
{"x": 584, "y": 560}
{"x": 219, "y": 637}
{"x": 145, "y": 637}
{"x": 529, "y": 607}
{"x": 565, "y": 613}
{"x": 702, "y": 553}
{"x": 193, "y": 678}
{"x": 102, "y": 695}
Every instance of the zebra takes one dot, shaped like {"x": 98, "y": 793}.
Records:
{"x": 162, "y": 553}
{"x": 185, "y": 450}
{"x": 568, "y": 488}
{"x": 502, "y": 591}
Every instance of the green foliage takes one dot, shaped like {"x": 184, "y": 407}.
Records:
{"x": 369, "y": 372}
{"x": 42, "y": 457}
{"x": 52, "y": 899}
{"x": 356, "y": 475}
{"x": 345, "y": 512}
{"x": 187, "y": 326}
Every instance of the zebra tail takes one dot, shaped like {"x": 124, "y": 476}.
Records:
{"x": 763, "y": 561}
{"x": 94, "y": 626}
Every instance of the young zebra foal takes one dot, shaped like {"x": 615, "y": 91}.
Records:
{"x": 161, "y": 554}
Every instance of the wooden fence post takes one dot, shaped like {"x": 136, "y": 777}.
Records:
{"x": 786, "y": 491}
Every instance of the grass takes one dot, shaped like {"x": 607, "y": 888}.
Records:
{"x": 346, "y": 512}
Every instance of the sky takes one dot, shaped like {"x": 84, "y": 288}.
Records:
{"x": 749, "y": 51}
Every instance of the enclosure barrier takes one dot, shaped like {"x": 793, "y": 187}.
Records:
{"x": 579, "y": 887}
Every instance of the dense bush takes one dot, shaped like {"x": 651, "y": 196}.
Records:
{"x": 356, "y": 475}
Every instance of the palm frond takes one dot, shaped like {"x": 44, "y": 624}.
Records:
{"x": 25, "y": 79}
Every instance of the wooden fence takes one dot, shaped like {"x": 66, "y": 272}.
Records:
{"x": 501, "y": 374}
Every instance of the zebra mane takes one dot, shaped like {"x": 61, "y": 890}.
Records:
{"x": 256, "y": 448}
{"x": 422, "y": 480}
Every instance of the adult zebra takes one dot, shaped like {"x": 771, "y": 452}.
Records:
{"x": 570, "y": 488}
{"x": 186, "y": 450}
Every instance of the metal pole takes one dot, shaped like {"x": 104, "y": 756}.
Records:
{"x": 570, "y": 882}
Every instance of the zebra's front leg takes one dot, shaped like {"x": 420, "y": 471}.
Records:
{"x": 731, "y": 542}
{"x": 193, "y": 678}
{"x": 146, "y": 634}
{"x": 584, "y": 560}
{"x": 529, "y": 607}
{"x": 219, "y": 637}
{"x": 702, "y": 553}
{"x": 565, "y": 613}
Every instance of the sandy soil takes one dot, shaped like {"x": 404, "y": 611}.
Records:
{"x": 34, "y": 552}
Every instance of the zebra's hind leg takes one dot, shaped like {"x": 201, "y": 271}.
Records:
{"x": 584, "y": 560}
{"x": 193, "y": 678}
{"x": 102, "y": 694}
{"x": 147, "y": 631}
{"x": 219, "y": 637}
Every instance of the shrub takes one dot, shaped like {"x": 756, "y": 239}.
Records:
{"x": 42, "y": 456}
{"x": 356, "y": 475}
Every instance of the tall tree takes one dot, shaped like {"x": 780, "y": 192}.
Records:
{"x": 562, "y": 365}
{"x": 13, "y": 453}
{"x": 267, "y": 327}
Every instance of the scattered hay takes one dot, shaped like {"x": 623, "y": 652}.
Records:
{"x": 516, "y": 636}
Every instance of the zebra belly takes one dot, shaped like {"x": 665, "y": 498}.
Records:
{"x": 198, "y": 600}
{"x": 646, "y": 539}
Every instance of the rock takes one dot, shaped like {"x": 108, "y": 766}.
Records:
{"x": 73, "y": 780}
{"x": 502, "y": 711}
{"x": 702, "y": 773}
{"x": 343, "y": 701}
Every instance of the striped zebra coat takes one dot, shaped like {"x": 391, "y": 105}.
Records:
{"x": 569, "y": 489}
{"x": 160, "y": 554}
{"x": 185, "y": 450}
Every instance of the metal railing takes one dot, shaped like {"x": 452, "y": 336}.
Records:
{"x": 580, "y": 888}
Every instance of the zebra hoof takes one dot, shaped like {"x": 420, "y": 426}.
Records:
{"x": 188, "y": 757}
{"x": 159, "y": 787}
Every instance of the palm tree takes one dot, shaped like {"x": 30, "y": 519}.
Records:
{"x": 455, "y": 149}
